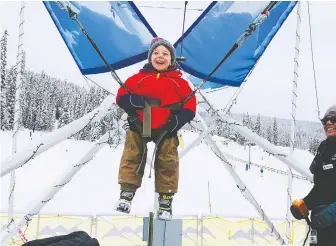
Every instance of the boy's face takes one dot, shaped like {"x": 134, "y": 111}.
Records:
{"x": 161, "y": 58}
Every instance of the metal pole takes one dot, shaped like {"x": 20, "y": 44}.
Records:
{"x": 150, "y": 228}
{"x": 263, "y": 143}
{"x": 164, "y": 233}
{"x": 240, "y": 185}
{"x": 293, "y": 123}
{"x": 16, "y": 124}
{"x": 50, "y": 139}
{"x": 249, "y": 146}
{"x": 36, "y": 205}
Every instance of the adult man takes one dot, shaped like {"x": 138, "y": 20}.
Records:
{"x": 321, "y": 200}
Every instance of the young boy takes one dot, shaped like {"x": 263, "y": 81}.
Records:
{"x": 160, "y": 80}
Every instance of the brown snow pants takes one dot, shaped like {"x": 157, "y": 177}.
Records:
{"x": 166, "y": 164}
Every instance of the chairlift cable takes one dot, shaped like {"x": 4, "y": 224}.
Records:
{"x": 313, "y": 62}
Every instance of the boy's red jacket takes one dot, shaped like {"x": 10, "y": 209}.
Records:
{"x": 168, "y": 86}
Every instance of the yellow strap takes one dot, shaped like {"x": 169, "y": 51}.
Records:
{"x": 158, "y": 75}
{"x": 180, "y": 138}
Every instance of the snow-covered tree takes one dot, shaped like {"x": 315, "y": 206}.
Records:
{"x": 257, "y": 126}
{"x": 313, "y": 145}
{"x": 3, "y": 66}
{"x": 269, "y": 133}
{"x": 275, "y": 131}
{"x": 249, "y": 123}
{"x": 10, "y": 98}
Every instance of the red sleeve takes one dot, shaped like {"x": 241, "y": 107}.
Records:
{"x": 186, "y": 90}
{"x": 129, "y": 84}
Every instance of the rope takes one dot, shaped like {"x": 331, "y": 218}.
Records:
{"x": 217, "y": 89}
{"x": 184, "y": 15}
{"x": 87, "y": 78}
{"x": 312, "y": 56}
{"x": 304, "y": 243}
{"x": 233, "y": 99}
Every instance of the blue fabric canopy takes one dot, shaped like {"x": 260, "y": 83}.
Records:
{"x": 118, "y": 28}
{"x": 123, "y": 36}
{"x": 213, "y": 34}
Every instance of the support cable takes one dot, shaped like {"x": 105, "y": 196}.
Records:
{"x": 312, "y": 56}
{"x": 239, "y": 42}
{"x": 184, "y": 15}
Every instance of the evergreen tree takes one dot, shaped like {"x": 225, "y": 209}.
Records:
{"x": 269, "y": 133}
{"x": 97, "y": 131}
{"x": 244, "y": 120}
{"x": 275, "y": 131}
{"x": 257, "y": 126}
{"x": 10, "y": 98}
{"x": 249, "y": 123}
{"x": 3, "y": 88}
{"x": 313, "y": 145}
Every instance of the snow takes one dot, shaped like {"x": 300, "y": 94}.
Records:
{"x": 94, "y": 189}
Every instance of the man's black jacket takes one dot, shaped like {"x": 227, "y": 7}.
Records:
{"x": 324, "y": 191}
{"x": 324, "y": 169}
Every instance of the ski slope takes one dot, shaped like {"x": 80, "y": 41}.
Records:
{"x": 94, "y": 189}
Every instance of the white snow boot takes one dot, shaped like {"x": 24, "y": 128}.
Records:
{"x": 125, "y": 201}
{"x": 165, "y": 207}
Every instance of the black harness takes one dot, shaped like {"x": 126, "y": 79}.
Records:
{"x": 148, "y": 134}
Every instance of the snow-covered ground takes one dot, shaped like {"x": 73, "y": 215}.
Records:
{"x": 94, "y": 189}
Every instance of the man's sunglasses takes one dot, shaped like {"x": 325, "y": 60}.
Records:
{"x": 326, "y": 119}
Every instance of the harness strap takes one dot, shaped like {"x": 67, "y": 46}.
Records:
{"x": 157, "y": 103}
{"x": 145, "y": 130}
{"x": 147, "y": 119}
{"x": 149, "y": 103}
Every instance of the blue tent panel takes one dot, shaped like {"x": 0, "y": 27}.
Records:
{"x": 118, "y": 28}
{"x": 213, "y": 34}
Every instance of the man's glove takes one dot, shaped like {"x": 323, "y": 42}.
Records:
{"x": 324, "y": 216}
{"x": 178, "y": 120}
{"x": 299, "y": 209}
{"x": 131, "y": 102}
